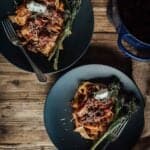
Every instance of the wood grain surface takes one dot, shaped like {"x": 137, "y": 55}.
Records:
{"x": 22, "y": 97}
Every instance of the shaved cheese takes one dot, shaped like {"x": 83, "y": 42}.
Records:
{"x": 102, "y": 94}
{"x": 36, "y": 7}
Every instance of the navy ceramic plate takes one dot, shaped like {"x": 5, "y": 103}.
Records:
{"x": 74, "y": 46}
{"x": 57, "y": 113}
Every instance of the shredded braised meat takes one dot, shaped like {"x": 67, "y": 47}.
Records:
{"x": 40, "y": 31}
{"x": 92, "y": 117}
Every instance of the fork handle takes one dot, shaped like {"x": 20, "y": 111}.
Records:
{"x": 39, "y": 74}
{"x": 106, "y": 145}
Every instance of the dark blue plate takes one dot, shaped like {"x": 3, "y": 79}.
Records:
{"x": 58, "y": 117}
{"x": 74, "y": 46}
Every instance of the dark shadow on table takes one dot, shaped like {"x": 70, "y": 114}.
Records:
{"x": 106, "y": 56}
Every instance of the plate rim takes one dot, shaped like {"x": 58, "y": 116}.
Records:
{"x": 142, "y": 102}
{"x": 75, "y": 61}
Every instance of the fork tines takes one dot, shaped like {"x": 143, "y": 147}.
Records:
{"x": 9, "y": 29}
{"x": 118, "y": 130}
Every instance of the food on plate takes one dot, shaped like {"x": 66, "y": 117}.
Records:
{"x": 97, "y": 108}
{"x": 43, "y": 25}
{"x": 92, "y": 117}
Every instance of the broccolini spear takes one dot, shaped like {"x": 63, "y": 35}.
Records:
{"x": 72, "y": 8}
{"x": 131, "y": 107}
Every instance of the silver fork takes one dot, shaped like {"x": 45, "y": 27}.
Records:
{"x": 116, "y": 132}
{"x": 12, "y": 36}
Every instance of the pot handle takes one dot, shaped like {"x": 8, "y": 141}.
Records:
{"x": 124, "y": 35}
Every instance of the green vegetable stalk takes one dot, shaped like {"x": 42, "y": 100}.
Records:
{"x": 108, "y": 135}
{"x": 72, "y": 8}
{"x": 130, "y": 107}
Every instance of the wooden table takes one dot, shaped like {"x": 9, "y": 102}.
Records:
{"x": 22, "y": 97}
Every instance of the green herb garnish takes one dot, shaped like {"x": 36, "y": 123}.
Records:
{"x": 71, "y": 10}
{"x": 122, "y": 110}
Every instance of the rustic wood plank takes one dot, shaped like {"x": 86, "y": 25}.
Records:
{"x": 105, "y": 39}
{"x": 22, "y": 97}
{"x": 101, "y": 23}
{"x": 146, "y": 131}
{"x": 22, "y": 111}
{"x": 23, "y": 133}
{"x": 142, "y": 70}
{"x": 26, "y": 147}
{"x": 143, "y": 144}
{"x": 23, "y": 86}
